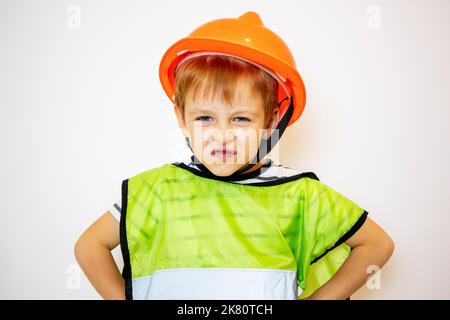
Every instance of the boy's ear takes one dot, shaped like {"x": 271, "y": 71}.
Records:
{"x": 179, "y": 116}
{"x": 180, "y": 119}
{"x": 272, "y": 123}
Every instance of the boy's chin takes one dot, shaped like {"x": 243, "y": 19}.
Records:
{"x": 223, "y": 170}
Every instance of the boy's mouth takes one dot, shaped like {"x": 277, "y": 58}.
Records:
{"x": 223, "y": 153}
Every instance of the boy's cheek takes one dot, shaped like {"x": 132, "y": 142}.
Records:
{"x": 200, "y": 148}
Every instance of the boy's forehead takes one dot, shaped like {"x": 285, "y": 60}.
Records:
{"x": 243, "y": 98}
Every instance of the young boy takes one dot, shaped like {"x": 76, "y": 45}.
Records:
{"x": 228, "y": 223}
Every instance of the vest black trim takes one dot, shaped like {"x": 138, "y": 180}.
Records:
{"x": 126, "y": 272}
{"x": 249, "y": 175}
{"x": 346, "y": 236}
{"x": 310, "y": 175}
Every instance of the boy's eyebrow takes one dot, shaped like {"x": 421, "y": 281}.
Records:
{"x": 200, "y": 110}
{"x": 246, "y": 112}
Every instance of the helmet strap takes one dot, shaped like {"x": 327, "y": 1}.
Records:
{"x": 267, "y": 144}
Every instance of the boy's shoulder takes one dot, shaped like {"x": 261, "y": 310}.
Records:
{"x": 159, "y": 171}
{"x": 280, "y": 170}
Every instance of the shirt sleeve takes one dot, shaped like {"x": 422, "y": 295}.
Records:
{"x": 115, "y": 211}
{"x": 335, "y": 218}
{"x": 116, "y": 208}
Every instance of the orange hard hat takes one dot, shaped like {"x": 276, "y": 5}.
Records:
{"x": 248, "y": 39}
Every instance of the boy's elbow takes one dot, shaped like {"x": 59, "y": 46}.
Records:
{"x": 78, "y": 250}
{"x": 389, "y": 247}
{"x": 81, "y": 250}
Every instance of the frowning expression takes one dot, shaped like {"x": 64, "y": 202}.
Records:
{"x": 224, "y": 137}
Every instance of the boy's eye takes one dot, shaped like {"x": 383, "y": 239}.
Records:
{"x": 243, "y": 119}
{"x": 207, "y": 118}
{"x": 202, "y": 118}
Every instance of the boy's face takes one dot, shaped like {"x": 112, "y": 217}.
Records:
{"x": 224, "y": 137}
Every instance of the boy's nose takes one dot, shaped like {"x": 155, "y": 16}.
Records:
{"x": 223, "y": 135}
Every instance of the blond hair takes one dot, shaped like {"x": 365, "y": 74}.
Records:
{"x": 219, "y": 76}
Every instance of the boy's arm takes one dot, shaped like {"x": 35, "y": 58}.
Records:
{"x": 93, "y": 253}
{"x": 371, "y": 245}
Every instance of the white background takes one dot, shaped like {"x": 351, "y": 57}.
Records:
{"x": 83, "y": 109}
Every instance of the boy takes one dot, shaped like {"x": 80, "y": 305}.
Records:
{"x": 228, "y": 223}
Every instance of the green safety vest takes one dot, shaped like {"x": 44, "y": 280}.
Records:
{"x": 184, "y": 236}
